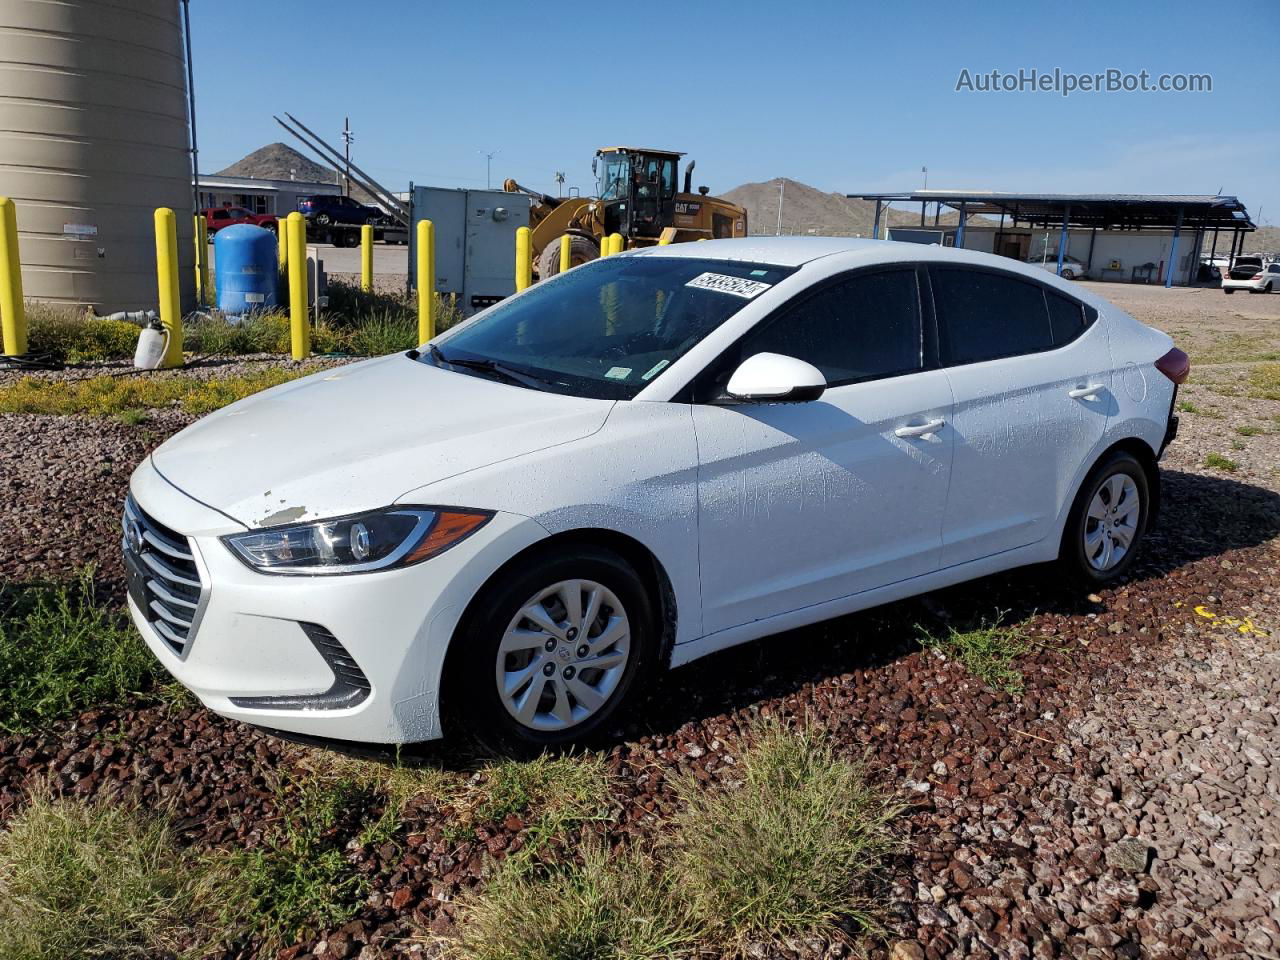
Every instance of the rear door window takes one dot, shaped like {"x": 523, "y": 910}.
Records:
{"x": 985, "y": 315}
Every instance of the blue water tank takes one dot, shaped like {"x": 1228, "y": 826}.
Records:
{"x": 245, "y": 265}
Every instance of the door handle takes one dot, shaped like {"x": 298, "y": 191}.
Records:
{"x": 1085, "y": 393}
{"x": 919, "y": 430}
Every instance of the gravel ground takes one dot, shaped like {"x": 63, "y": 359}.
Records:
{"x": 1124, "y": 805}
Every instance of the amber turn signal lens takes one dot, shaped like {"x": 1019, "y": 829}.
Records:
{"x": 451, "y": 527}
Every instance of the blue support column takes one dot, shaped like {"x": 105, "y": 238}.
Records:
{"x": 1173, "y": 251}
{"x": 960, "y": 232}
{"x": 1062, "y": 237}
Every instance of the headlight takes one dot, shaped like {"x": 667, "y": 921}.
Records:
{"x": 378, "y": 540}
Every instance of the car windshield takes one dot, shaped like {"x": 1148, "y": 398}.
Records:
{"x": 606, "y": 329}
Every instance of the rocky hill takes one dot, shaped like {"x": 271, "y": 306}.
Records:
{"x": 808, "y": 210}
{"x": 278, "y": 161}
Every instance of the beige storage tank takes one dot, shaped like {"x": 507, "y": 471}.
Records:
{"x": 93, "y": 137}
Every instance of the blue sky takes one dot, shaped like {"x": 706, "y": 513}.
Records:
{"x": 842, "y": 96}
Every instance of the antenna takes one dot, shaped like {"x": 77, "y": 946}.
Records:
{"x": 488, "y": 166}
{"x": 560, "y": 183}
{"x": 347, "y": 137}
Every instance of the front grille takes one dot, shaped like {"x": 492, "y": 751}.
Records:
{"x": 164, "y": 580}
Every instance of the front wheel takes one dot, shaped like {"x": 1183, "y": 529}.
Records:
{"x": 551, "y": 651}
{"x": 1227, "y": 290}
{"x": 581, "y": 250}
{"x": 1107, "y": 521}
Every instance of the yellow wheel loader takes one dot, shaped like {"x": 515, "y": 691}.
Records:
{"x": 636, "y": 197}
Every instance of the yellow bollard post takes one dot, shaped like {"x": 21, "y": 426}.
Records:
{"x": 566, "y": 255}
{"x": 299, "y": 322}
{"x": 366, "y": 258}
{"x": 13, "y": 310}
{"x": 524, "y": 259}
{"x": 195, "y": 243}
{"x": 426, "y": 281}
{"x": 167, "y": 284}
{"x": 616, "y": 244}
{"x": 282, "y": 244}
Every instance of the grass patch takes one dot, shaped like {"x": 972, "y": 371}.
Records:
{"x": 1218, "y": 462}
{"x": 113, "y": 396}
{"x": 102, "y": 879}
{"x": 1186, "y": 406}
{"x": 61, "y": 651}
{"x": 1237, "y": 348}
{"x": 989, "y": 652}
{"x": 355, "y": 323}
{"x": 607, "y": 906}
{"x": 1249, "y": 430}
{"x": 549, "y": 796}
{"x": 72, "y": 336}
{"x": 300, "y": 879}
{"x": 1264, "y": 382}
{"x": 792, "y": 851}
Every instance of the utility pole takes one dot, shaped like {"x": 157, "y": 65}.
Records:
{"x": 925, "y": 171}
{"x": 782, "y": 185}
{"x": 560, "y": 183}
{"x": 488, "y": 166}
{"x": 346, "y": 139}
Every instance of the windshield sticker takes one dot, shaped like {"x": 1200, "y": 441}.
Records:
{"x": 655, "y": 370}
{"x": 618, "y": 373}
{"x": 735, "y": 286}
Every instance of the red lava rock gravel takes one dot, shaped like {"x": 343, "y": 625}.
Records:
{"x": 1123, "y": 806}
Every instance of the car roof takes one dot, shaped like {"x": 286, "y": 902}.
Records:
{"x": 856, "y": 252}
{"x": 780, "y": 251}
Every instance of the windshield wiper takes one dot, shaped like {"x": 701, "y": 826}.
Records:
{"x": 510, "y": 374}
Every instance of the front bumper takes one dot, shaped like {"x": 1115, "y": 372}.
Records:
{"x": 354, "y": 657}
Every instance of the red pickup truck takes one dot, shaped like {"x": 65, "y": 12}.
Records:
{"x": 219, "y": 217}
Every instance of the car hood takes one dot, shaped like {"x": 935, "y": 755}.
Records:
{"x": 358, "y": 437}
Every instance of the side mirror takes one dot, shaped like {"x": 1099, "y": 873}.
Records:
{"x": 772, "y": 377}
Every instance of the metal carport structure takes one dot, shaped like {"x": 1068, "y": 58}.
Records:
{"x": 1093, "y": 211}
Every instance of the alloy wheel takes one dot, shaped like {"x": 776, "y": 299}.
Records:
{"x": 563, "y": 655}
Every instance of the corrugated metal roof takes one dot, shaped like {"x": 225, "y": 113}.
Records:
{"x": 1135, "y": 210}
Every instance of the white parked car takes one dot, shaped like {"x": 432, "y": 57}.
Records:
{"x": 1072, "y": 268}
{"x": 1250, "y": 274}
{"x": 632, "y": 465}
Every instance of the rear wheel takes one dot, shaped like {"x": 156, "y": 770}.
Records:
{"x": 581, "y": 250}
{"x": 1107, "y": 521}
{"x": 549, "y": 653}
{"x": 1227, "y": 290}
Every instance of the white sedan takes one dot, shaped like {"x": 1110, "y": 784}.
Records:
{"x": 1250, "y": 274}
{"x": 635, "y": 464}
{"x": 1072, "y": 267}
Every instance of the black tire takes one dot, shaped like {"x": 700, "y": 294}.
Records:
{"x": 1228, "y": 290}
{"x": 322, "y": 219}
{"x": 581, "y": 250}
{"x": 1073, "y": 555}
{"x": 472, "y": 701}
{"x": 1068, "y": 275}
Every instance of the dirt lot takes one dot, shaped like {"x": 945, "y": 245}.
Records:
{"x": 1124, "y": 804}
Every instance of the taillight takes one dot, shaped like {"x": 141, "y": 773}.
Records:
{"x": 1175, "y": 365}
{"x": 1256, "y": 276}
